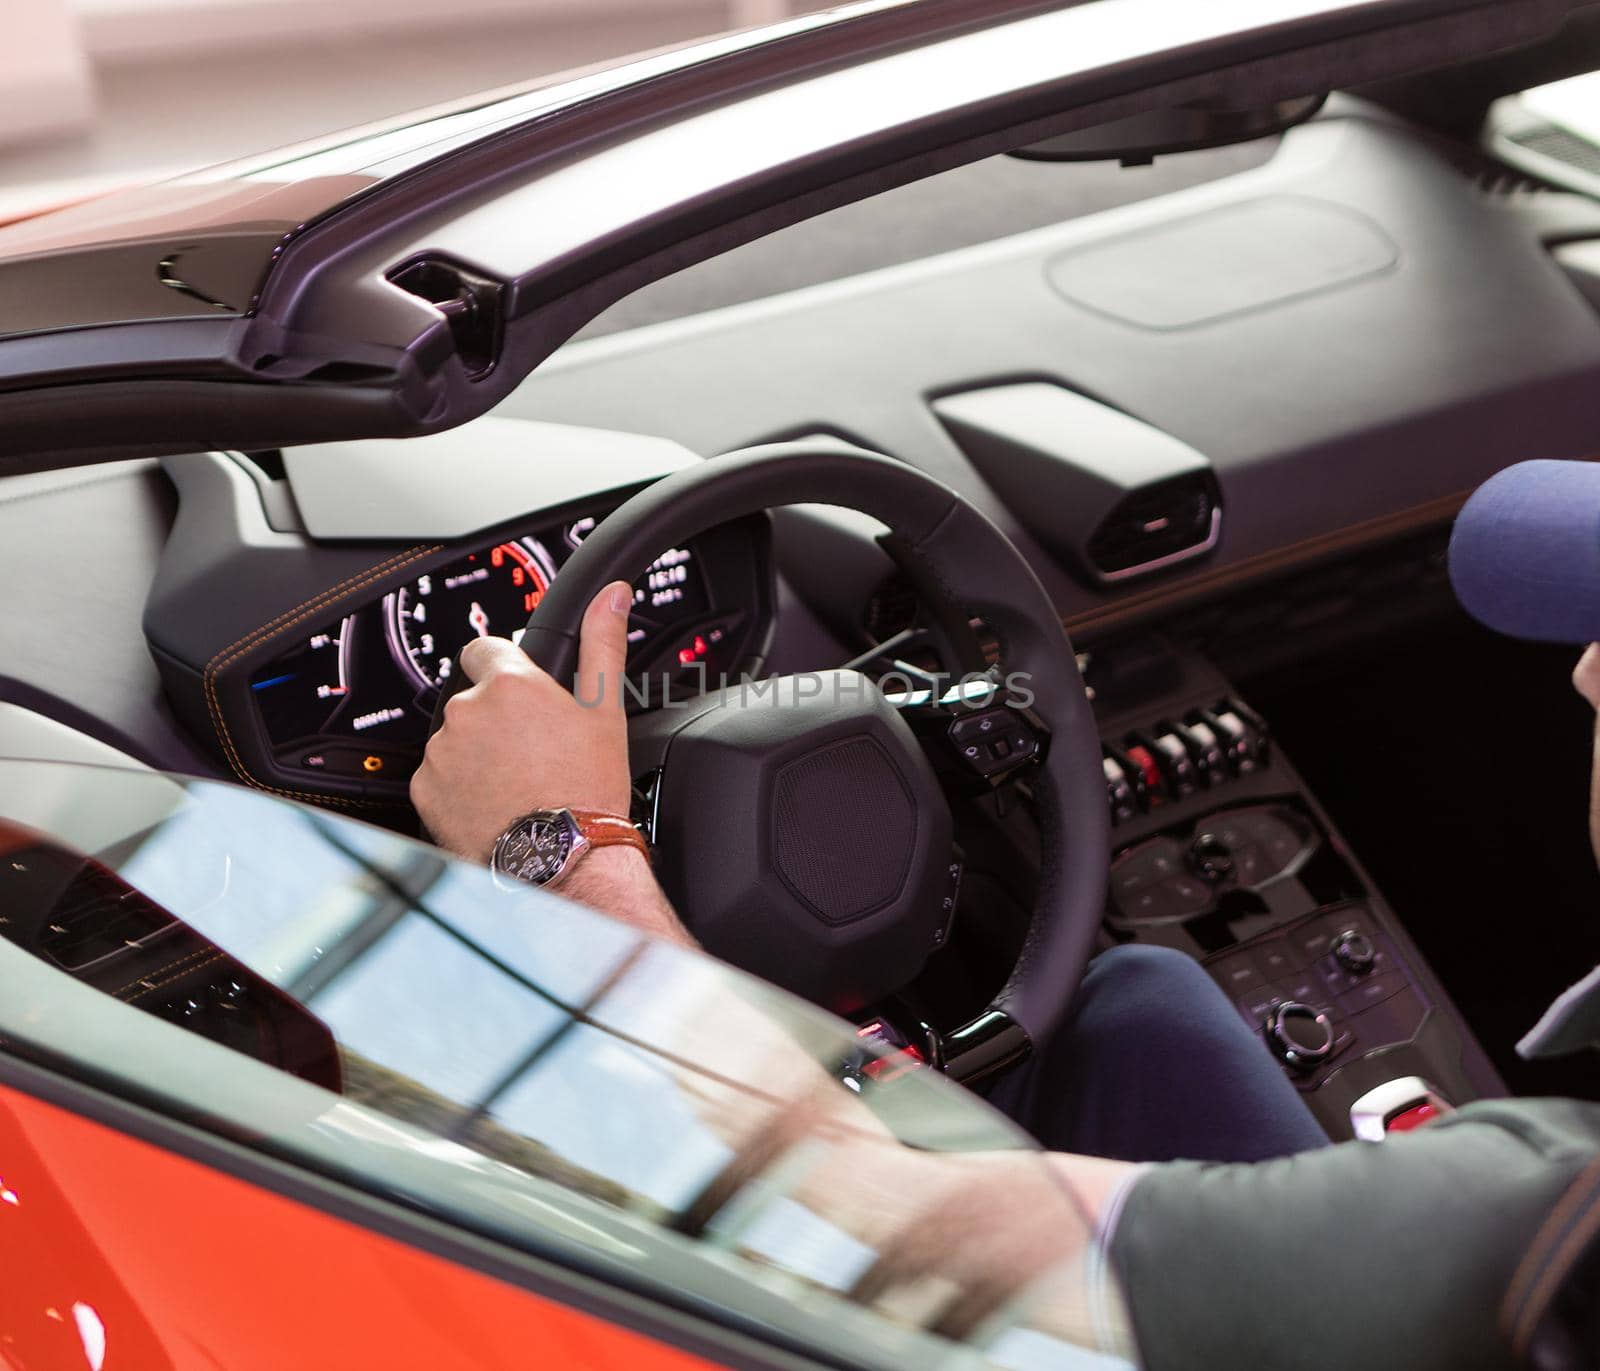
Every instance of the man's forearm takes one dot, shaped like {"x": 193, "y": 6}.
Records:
{"x": 1008, "y": 1218}
{"x": 618, "y": 882}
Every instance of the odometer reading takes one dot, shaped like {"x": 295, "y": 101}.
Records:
{"x": 489, "y": 593}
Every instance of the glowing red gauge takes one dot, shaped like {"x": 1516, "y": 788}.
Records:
{"x": 485, "y": 593}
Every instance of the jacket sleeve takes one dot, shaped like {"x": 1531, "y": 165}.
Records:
{"x": 1399, "y": 1253}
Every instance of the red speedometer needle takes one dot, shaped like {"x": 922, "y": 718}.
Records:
{"x": 478, "y": 619}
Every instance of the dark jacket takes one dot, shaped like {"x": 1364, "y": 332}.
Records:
{"x": 1471, "y": 1242}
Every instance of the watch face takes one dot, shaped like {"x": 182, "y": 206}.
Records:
{"x": 537, "y": 849}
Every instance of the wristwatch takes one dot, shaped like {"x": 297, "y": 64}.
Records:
{"x": 543, "y": 847}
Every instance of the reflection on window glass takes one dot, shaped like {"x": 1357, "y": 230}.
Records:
{"x": 402, "y": 1005}
{"x": 532, "y": 1070}
{"x": 645, "y": 1134}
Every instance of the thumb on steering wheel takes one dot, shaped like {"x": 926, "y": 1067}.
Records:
{"x": 603, "y": 648}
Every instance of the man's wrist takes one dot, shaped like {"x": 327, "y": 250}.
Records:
{"x": 619, "y": 881}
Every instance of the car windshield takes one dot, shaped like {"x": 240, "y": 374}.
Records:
{"x": 365, "y": 1006}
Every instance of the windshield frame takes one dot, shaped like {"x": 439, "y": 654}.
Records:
{"x": 344, "y": 338}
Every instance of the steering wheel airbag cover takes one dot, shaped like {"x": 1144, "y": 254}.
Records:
{"x": 804, "y": 836}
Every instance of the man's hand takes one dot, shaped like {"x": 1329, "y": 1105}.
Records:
{"x": 517, "y": 741}
{"x": 1586, "y": 675}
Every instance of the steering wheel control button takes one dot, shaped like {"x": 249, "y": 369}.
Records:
{"x": 1354, "y": 951}
{"x": 994, "y": 740}
{"x": 1302, "y": 1037}
{"x": 952, "y": 899}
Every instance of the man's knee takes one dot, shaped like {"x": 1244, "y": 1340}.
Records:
{"x": 1156, "y": 989}
{"x": 1136, "y": 968}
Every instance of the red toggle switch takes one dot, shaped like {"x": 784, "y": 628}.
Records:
{"x": 1145, "y": 760}
{"x": 1407, "y": 1119}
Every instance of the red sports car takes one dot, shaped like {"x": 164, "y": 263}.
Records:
{"x": 818, "y": 337}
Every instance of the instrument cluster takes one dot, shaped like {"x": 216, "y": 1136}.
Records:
{"x": 350, "y": 700}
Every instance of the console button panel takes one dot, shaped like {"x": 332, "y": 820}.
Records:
{"x": 1175, "y": 758}
{"x": 1190, "y": 871}
{"x": 1366, "y": 1010}
{"x": 1222, "y": 853}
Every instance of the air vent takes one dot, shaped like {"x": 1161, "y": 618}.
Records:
{"x": 1157, "y": 525}
{"x": 1547, "y": 140}
{"x": 1107, "y": 493}
{"x": 98, "y": 916}
{"x": 471, "y": 305}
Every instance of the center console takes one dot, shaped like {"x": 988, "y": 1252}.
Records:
{"x": 1222, "y": 852}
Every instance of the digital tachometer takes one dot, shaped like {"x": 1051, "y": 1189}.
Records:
{"x": 485, "y": 593}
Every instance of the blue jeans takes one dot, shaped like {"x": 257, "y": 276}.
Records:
{"x": 1152, "y": 1064}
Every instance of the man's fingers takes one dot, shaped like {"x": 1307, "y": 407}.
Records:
{"x": 485, "y": 657}
{"x": 603, "y": 648}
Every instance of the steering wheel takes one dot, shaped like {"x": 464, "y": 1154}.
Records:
{"x": 802, "y": 828}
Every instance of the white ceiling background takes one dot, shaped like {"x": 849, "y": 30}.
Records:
{"x": 99, "y": 93}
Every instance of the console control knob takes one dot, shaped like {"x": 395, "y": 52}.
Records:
{"x": 1354, "y": 951}
{"x": 1300, "y": 1035}
{"x": 1211, "y": 857}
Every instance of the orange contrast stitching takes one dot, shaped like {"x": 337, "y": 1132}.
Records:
{"x": 319, "y": 603}
{"x": 179, "y": 969}
{"x": 188, "y": 971}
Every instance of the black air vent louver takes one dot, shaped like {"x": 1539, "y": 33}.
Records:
{"x": 1547, "y": 140}
{"x": 1107, "y": 493}
{"x": 1152, "y": 526}
{"x": 97, "y": 916}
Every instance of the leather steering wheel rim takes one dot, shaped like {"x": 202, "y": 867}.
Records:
{"x": 945, "y": 543}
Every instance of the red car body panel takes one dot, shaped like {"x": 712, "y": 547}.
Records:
{"x": 117, "y": 1254}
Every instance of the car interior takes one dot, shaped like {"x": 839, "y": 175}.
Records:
{"x": 1224, "y": 403}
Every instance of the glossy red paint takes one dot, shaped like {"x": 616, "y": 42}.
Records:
{"x": 116, "y": 1255}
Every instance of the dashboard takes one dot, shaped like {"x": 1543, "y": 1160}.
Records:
{"x": 318, "y": 674}
{"x": 1339, "y": 417}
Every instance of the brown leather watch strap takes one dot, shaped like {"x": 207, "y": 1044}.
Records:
{"x": 609, "y": 830}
